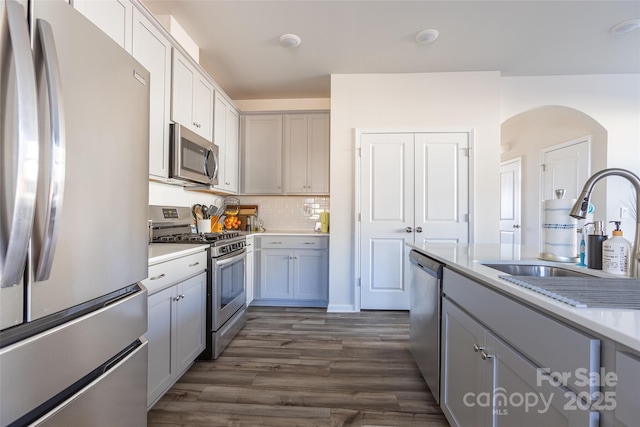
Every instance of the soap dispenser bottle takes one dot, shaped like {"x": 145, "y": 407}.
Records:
{"x": 615, "y": 253}
{"x": 594, "y": 246}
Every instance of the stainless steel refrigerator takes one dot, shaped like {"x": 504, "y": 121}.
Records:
{"x": 74, "y": 118}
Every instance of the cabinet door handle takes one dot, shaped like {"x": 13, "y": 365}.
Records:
{"x": 309, "y": 243}
{"x": 485, "y": 356}
{"x": 157, "y": 277}
{"x": 477, "y": 348}
{"x": 408, "y": 229}
{"x": 419, "y": 230}
{"x": 194, "y": 264}
{"x": 179, "y": 297}
{"x": 276, "y": 243}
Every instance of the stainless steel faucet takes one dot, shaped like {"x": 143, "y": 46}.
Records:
{"x": 581, "y": 206}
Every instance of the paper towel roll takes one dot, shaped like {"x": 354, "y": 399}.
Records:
{"x": 560, "y": 239}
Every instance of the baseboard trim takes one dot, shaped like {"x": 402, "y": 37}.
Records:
{"x": 341, "y": 308}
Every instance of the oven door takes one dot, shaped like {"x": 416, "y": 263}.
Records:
{"x": 228, "y": 287}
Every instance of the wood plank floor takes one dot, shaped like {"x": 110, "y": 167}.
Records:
{"x": 306, "y": 367}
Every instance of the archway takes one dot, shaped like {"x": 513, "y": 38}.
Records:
{"x": 526, "y": 134}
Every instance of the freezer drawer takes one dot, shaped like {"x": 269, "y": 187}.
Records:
{"x": 47, "y": 364}
{"x": 117, "y": 398}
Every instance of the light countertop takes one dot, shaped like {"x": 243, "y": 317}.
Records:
{"x": 161, "y": 252}
{"x": 288, "y": 233}
{"x": 619, "y": 325}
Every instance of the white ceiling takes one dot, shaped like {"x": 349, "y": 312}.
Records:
{"x": 239, "y": 45}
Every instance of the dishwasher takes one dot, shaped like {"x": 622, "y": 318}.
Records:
{"x": 424, "y": 317}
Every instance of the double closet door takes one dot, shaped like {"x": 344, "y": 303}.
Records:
{"x": 414, "y": 187}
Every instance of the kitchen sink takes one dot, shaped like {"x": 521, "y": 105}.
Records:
{"x": 536, "y": 270}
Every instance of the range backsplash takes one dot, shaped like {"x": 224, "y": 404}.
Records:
{"x": 288, "y": 212}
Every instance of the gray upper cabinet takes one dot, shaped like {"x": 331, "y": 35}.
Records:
{"x": 191, "y": 97}
{"x": 226, "y": 127}
{"x": 153, "y": 50}
{"x": 306, "y": 153}
{"x": 285, "y": 154}
{"x": 262, "y": 154}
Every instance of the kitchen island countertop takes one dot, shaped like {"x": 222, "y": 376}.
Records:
{"x": 619, "y": 325}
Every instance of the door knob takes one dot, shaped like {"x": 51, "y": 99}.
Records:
{"x": 516, "y": 226}
{"x": 419, "y": 230}
{"x": 408, "y": 229}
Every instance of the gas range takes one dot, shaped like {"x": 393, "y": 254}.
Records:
{"x": 173, "y": 225}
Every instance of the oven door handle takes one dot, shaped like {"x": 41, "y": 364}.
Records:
{"x": 221, "y": 262}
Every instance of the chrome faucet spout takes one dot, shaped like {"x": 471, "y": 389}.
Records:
{"x": 581, "y": 206}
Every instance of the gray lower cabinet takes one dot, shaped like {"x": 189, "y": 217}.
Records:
{"x": 488, "y": 380}
{"x": 176, "y": 323}
{"x": 626, "y": 398}
{"x": 292, "y": 270}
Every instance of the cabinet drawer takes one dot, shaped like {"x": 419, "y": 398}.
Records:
{"x": 174, "y": 271}
{"x": 291, "y": 242}
{"x": 549, "y": 343}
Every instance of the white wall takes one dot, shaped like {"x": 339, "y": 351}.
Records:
{"x": 301, "y": 104}
{"x": 612, "y": 100}
{"x": 435, "y": 100}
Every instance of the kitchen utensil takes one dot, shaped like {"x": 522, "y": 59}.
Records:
{"x": 197, "y": 211}
{"x": 205, "y": 212}
{"x": 232, "y": 206}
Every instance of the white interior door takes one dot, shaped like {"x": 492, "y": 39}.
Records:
{"x": 565, "y": 166}
{"x": 441, "y": 188}
{"x": 387, "y": 212}
{"x": 413, "y": 188}
{"x": 510, "y": 201}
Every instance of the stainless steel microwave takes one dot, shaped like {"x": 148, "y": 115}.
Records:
{"x": 194, "y": 160}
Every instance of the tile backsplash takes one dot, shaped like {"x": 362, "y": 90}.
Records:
{"x": 288, "y": 212}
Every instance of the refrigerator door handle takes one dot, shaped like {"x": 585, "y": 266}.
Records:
{"x": 55, "y": 193}
{"x": 14, "y": 242}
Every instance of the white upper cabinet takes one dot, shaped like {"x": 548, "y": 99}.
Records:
{"x": 226, "y": 124}
{"x": 153, "y": 50}
{"x": 306, "y": 151}
{"x": 192, "y": 97}
{"x": 113, "y": 17}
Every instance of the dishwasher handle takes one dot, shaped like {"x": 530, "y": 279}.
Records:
{"x": 426, "y": 264}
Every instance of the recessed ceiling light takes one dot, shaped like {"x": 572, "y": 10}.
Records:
{"x": 625, "y": 27}
{"x": 426, "y": 36}
{"x": 290, "y": 40}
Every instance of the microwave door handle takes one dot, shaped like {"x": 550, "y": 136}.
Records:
{"x": 55, "y": 192}
{"x": 217, "y": 165}
{"x": 14, "y": 243}
{"x": 211, "y": 175}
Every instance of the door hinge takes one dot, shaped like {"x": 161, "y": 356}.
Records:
{"x": 467, "y": 217}
{"x": 359, "y": 150}
{"x": 467, "y": 150}
{"x": 359, "y": 284}
{"x": 544, "y": 167}
{"x": 359, "y": 217}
